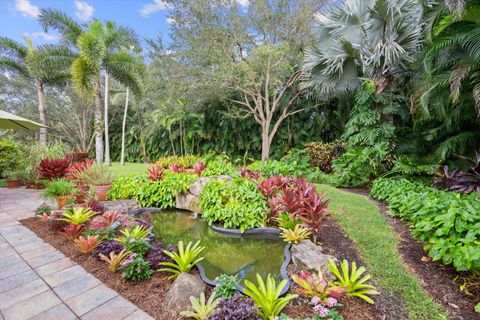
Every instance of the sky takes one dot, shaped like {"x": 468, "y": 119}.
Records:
{"x": 18, "y": 18}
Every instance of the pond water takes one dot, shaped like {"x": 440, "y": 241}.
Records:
{"x": 234, "y": 255}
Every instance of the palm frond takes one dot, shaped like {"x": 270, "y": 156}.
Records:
{"x": 60, "y": 21}
{"x": 13, "y": 48}
{"x": 14, "y": 66}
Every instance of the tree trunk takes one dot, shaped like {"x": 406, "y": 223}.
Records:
{"x": 98, "y": 122}
{"x": 122, "y": 157}
{"x": 265, "y": 143}
{"x": 42, "y": 113}
{"x": 108, "y": 162}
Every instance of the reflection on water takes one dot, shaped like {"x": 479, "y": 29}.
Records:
{"x": 223, "y": 254}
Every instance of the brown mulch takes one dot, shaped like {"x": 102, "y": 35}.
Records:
{"x": 439, "y": 280}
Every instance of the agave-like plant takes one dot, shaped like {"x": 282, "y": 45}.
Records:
{"x": 105, "y": 220}
{"x": 202, "y": 309}
{"x": 137, "y": 232}
{"x": 184, "y": 260}
{"x": 115, "y": 260}
{"x": 267, "y": 296}
{"x": 77, "y": 215}
{"x": 295, "y": 235}
{"x": 352, "y": 279}
{"x": 317, "y": 286}
{"x": 155, "y": 173}
{"x": 87, "y": 244}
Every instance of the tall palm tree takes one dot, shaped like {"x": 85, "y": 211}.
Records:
{"x": 362, "y": 39}
{"x": 103, "y": 49}
{"x": 44, "y": 65}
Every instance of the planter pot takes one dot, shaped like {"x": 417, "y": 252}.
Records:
{"x": 61, "y": 200}
{"x": 101, "y": 192}
{"x": 13, "y": 183}
{"x": 30, "y": 184}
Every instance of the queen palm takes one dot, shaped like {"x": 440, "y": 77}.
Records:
{"x": 44, "y": 65}
{"x": 362, "y": 39}
{"x": 102, "y": 49}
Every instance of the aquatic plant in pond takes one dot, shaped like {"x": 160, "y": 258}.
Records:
{"x": 223, "y": 254}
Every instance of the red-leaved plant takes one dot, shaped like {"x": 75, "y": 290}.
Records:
{"x": 155, "y": 173}
{"x": 316, "y": 286}
{"x": 76, "y": 156}
{"x": 199, "y": 167}
{"x": 78, "y": 167}
{"x": 312, "y": 212}
{"x": 95, "y": 205}
{"x": 72, "y": 231}
{"x": 249, "y": 174}
{"x": 176, "y": 168}
{"x": 87, "y": 244}
{"x": 105, "y": 220}
{"x": 53, "y": 168}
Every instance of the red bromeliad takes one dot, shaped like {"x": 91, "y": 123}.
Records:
{"x": 72, "y": 231}
{"x": 199, "y": 167}
{"x": 155, "y": 173}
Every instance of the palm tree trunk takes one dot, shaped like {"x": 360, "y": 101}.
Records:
{"x": 98, "y": 122}
{"x": 42, "y": 112}
{"x": 107, "y": 140}
{"x": 122, "y": 157}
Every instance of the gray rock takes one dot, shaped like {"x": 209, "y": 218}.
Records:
{"x": 190, "y": 200}
{"x": 121, "y": 206}
{"x": 307, "y": 256}
{"x": 177, "y": 298}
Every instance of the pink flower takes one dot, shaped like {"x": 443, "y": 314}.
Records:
{"x": 331, "y": 302}
{"x": 132, "y": 240}
{"x": 321, "y": 310}
{"x": 315, "y": 300}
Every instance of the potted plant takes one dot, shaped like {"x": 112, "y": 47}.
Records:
{"x": 99, "y": 178}
{"x": 13, "y": 179}
{"x": 61, "y": 190}
{"x": 29, "y": 175}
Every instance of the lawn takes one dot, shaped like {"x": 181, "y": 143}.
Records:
{"x": 127, "y": 169}
{"x": 377, "y": 243}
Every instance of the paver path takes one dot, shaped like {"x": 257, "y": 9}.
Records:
{"x": 39, "y": 282}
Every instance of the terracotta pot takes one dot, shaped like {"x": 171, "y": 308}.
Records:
{"x": 62, "y": 199}
{"x": 101, "y": 191}
{"x": 13, "y": 183}
{"x": 30, "y": 184}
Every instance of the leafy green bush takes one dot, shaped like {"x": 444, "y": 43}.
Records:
{"x": 237, "y": 204}
{"x": 60, "y": 187}
{"x": 359, "y": 165}
{"x": 135, "y": 268}
{"x": 159, "y": 193}
{"x": 9, "y": 156}
{"x": 187, "y": 161}
{"x": 226, "y": 287}
{"x": 447, "y": 221}
{"x": 321, "y": 155}
{"x": 218, "y": 165}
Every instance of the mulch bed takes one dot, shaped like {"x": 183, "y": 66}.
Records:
{"x": 439, "y": 280}
{"x": 149, "y": 295}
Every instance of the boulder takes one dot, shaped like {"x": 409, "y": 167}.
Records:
{"x": 121, "y": 206}
{"x": 190, "y": 200}
{"x": 307, "y": 256}
{"x": 177, "y": 298}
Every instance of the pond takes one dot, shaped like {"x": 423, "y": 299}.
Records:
{"x": 244, "y": 256}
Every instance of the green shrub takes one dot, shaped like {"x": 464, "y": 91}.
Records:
{"x": 447, "y": 221}
{"x": 218, "y": 165}
{"x": 237, "y": 204}
{"x": 359, "y": 165}
{"x": 135, "y": 268}
{"x": 9, "y": 157}
{"x": 226, "y": 287}
{"x": 160, "y": 194}
{"x": 187, "y": 161}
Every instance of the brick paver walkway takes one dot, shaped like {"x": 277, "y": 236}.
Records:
{"x": 39, "y": 282}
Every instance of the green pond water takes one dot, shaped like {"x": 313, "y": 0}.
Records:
{"x": 233, "y": 255}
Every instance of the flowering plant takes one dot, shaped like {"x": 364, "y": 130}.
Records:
{"x": 135, "y": 268}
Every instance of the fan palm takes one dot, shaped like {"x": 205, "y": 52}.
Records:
{"x": 361, "y": 39}
{"x": 44, "y": 65}
{"x": 102, "y": 47}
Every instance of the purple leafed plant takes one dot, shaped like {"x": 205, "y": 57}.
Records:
{"x": 237, "y": 307}
{"x": 107, "y": 247}
{"x": 54, "y": 224}
{"x": 156, "y": 254}
{"x": 461, "y": 181}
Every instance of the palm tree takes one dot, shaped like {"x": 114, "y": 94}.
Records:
{"x": 44, "y": 65}
{"x": 362, "y": 39}
{"x": 449, "y": 94}
{"x": 103, "y": 48}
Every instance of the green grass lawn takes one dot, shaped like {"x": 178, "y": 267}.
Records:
{"x": 377, "y": 243}
{"x": 128, "y": 168}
